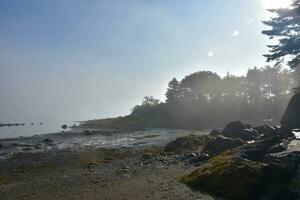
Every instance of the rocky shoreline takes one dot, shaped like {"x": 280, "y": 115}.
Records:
{"x": 244, "y": 162}
{"x": 256, "y": 162}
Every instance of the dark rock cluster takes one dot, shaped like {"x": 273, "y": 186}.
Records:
{"x": 243, "y": 162}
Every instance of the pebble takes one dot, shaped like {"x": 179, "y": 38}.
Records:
{"x": 126, "y": 176}
{"x": 146, "y": 156}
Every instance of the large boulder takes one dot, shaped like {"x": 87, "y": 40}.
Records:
{"x": 237, "y": 129}
{"x": 215, "y": 133}
{"x": 257, "y": 150}
{"x": 187, "y": 143}
{"x": 234, "y": 127}
{"x": 232, "y": 175}
{"x": 266, "y": 131}
{"x": 291, "y": 117}
{"x": 219, "y": 144}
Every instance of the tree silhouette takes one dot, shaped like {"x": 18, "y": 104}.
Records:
{"x": 286, "y": 27}
{"x": 173, "y": 91}
{"x": 204, "y": 99}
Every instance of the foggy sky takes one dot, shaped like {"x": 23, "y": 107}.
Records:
{"x": 78, "y": 60}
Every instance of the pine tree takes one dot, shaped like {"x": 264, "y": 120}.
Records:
{"x": 286, "y": 27}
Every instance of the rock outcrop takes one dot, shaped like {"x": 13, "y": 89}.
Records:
{"x": 237, "y": 174}
{"x": 291, "y": 117}
{"x": 188, "y": 143}
{"x": 219, "y": 144}
{"x": 247, "y": 163}
{"x": 237, "y": 129}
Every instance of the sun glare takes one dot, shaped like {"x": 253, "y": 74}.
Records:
{"x": 273, "y": 4}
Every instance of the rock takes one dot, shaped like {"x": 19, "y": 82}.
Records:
{"x": 285, "y": 133}
{"x": 188, "y": 143}
{"x": 199, "y": 159}
{"x": 64, "y": 126}
{"x": 219, "y": 144}
{"x": 291, "y": 117}
{"x": 286, "y": 195}
{"x": 234, "y": 127}
{"x": 125, "y": 168}
{"x": 146, "y": 156}
{"x": 265, "y": 131}
{"x": 48, "y": 141}
{"x": 1, "y": 146}
{"x": 26, "y": 149}
{"x": 232, "y": 176}
{"x": 257, "y": 150}
{"x": 279, "y": 147}
{"x": 87, "y": 132}
{"x": 126, "y": 176}
{"x": 139, "y": 143}
{"x": 214, "y": 133}
{"x": 268, "y": 131}
{"x": 237, "y": 129}
{"x": 92, "y": 164}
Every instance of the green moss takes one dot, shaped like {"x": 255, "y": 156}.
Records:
{"x": 3, "y": 179}
{"x": 226, "y": 175}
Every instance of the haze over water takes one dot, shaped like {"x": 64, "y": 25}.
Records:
{"x": 72, "y": 61}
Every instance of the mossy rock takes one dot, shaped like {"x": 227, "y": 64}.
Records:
{"x": 220, "y": 144}
{"x": 187, "y": 143}
{"x": 3, "y": 179}
{"x": 231, "y": 176}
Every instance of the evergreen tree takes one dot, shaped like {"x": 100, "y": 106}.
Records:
{"x": 173, "y": 91}
{"x": 286, "y": 27}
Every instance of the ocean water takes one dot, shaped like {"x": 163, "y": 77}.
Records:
{"x": 72, "y": 140}
{"x": 33, "y": 128}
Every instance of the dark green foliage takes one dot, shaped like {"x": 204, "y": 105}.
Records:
{"x": 173, "y": 91}
{"x": 205, "y": 100}
{"x": 286, "y": 27}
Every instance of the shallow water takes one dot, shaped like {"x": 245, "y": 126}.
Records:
{"x": 77, "y": 140}
{"x": 33, "y": 128}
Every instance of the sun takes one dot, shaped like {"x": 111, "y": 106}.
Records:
{"x": 274, "y": 4}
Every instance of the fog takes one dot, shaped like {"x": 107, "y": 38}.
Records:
{"x": 85, "y": 60}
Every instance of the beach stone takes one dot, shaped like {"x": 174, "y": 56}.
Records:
{"x": 215, "y": 133}
{"x": 279, "y": 147}
{"x": 187, "y": 143}
{"x": 234, "y": 127}
{"x": 265, "y": 131}
{"x": 268, "y": 131}
{"x": 146, "y": 156}
{"x": 291, "y": 117}
{"x": 219, "y": 144}
{"x": 126, "y": 176}
{"x": 47, "y": 140}
{"x": 237, "y": 129}
{"x": 87, "y": 132}
{"x": 64, "y": 126}
{"x": 92, "y": 164}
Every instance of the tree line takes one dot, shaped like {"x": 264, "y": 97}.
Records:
{"x": 204, "y": 99}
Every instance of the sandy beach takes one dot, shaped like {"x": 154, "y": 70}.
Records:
{"x": 96, "y": 174}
